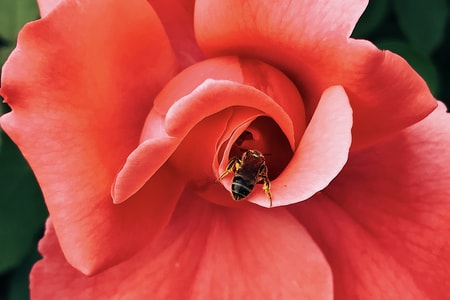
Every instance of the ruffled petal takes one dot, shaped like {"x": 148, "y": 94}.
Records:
{"x": 80, "y": 90}
{"x": 386, "y": 218}
{"x": 322, "y": 152}
{"x": 206, "y": 252}
{"x": 309, "y": 41}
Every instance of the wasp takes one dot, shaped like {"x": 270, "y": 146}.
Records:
{"x": 248, "y": 170}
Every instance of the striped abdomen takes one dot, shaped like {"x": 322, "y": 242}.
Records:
{"x": 241, "y": 186}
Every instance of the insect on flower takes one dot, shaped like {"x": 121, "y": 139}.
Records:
{"x": 248, "y": 170}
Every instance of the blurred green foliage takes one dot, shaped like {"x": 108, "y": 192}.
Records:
{"x": 418, "y": 30}
{"x": 422, "y": 22}
{"x": 22, "y": 210}
{"x": 13, "y": 15}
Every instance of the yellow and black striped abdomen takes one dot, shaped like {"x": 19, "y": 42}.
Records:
{"x": 241, "y": 186}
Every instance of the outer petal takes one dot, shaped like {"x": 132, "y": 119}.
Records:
{"x": 80, "y": 90}
{"x": 207, "y": 252}
{"x": 309, "y": 41}
{"x": 362, "y": 267}
{"x": 46, "y": 6}
{"x": 387, "y": 233}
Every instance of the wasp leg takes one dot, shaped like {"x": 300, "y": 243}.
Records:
{"x": 266, "y": 182}
{"x": 266, "y": 188}
{"x": 233, "y": 165}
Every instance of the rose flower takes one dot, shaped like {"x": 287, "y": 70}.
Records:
{"x": 129, "y": 111}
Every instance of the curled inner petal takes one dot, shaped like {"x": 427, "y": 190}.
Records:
{"x": 202, "y": 93}
{"x": 322, "y": 153}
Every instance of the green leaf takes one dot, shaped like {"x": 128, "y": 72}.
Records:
{"x": 18, "y": 279}
{"x": 4, "y": 53}
{"x": 14, "y": 14}
{"x": 420, "y": 62}
{"x": 423, "y": 22}
{"x": 372, "y": 17}
{"x": 22, "y": 210}
{"x": 1, "y": 113}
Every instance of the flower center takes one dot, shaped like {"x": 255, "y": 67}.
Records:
{"x": 265, "y": 136}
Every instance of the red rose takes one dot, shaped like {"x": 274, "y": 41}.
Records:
{"x": 128, "y": 112}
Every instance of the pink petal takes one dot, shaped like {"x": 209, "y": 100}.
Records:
{"x": 309, "y": 41}
{"x": 362, "y": 267}
{"x": 46, "y": 6}
{"x": 384, "y": 222}
{"x": 322, "y": 152}
{"x": 80, "y": 90}
{"x": 177, "y": 17}
{"x": 207, "y": 252}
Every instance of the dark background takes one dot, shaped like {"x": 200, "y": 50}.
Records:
{"x": 418, "y": 30}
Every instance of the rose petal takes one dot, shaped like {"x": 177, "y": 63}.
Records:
{"x": 322, "y": 152}
{"x": 129, "y": 226}
{"x": 78, "y": 108}
{"x": 177, "y": 17}
{"x": 338, "y": 17}
{"x": 46, "y": 6}
{"x": 216, "y": 95}
{"x": 207, "y": 252}
{"x": 390, "y": 220}
{"x": 196, "y": 94}
{"x": 142, "y": 164}
{"x": 362, "y": 268}
{"x": 260, "y": 260}
{"x": 249, "y": 72}
{"x": 309, "y": 41}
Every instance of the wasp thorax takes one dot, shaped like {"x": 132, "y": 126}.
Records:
{"x": 253, "y": 156}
